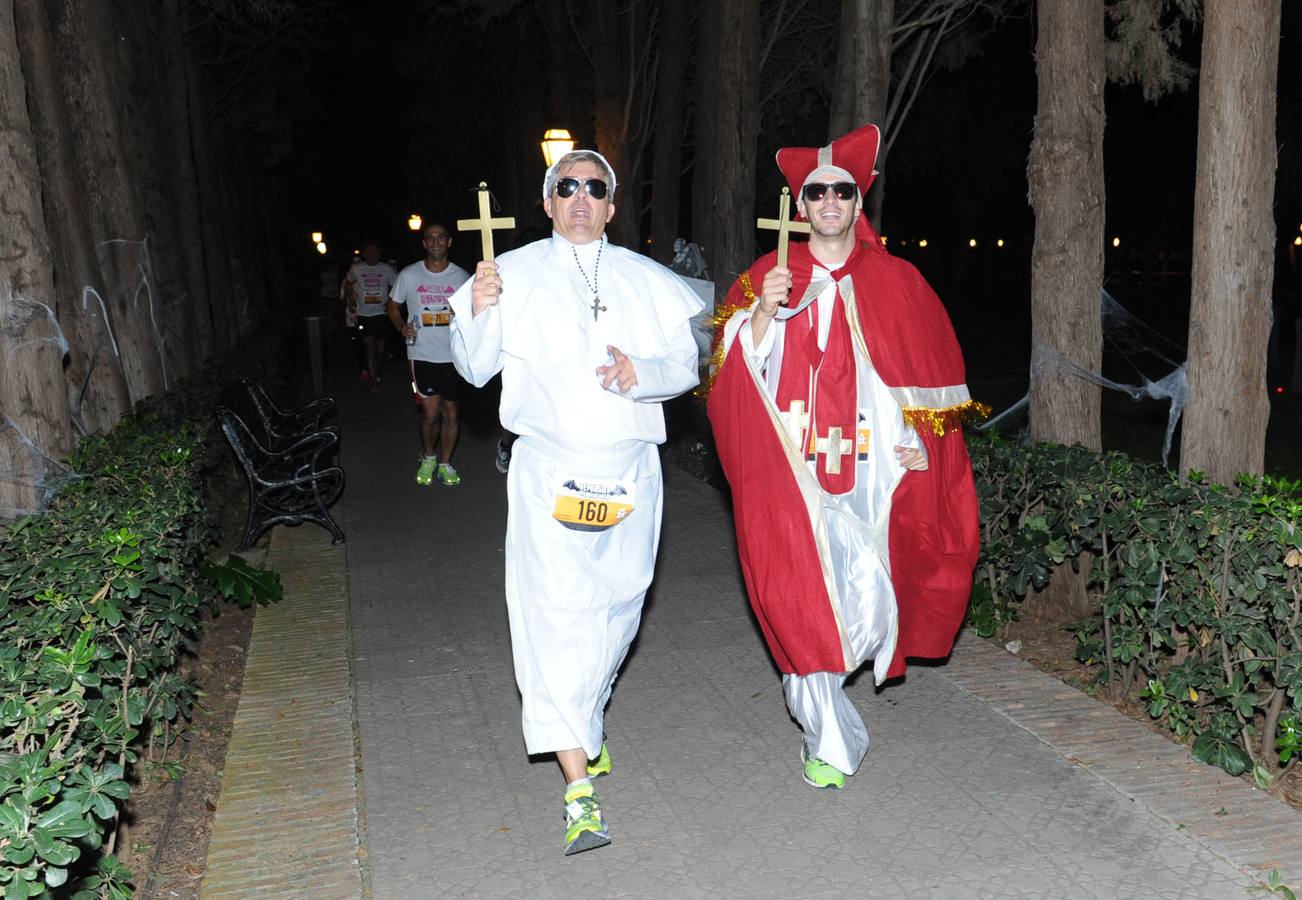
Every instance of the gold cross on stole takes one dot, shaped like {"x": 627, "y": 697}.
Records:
{"x": 783, "y": 225}
{"x": 833, "y": 448}
{"x": 485, "y": 223}
{"x": 795, "y": 420}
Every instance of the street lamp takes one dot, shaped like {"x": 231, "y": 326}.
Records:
{"x": 321, "y": 247}
{"x": 555, "y": 144}
{"x": 414, "y": 221}
{"x": 317, "y": 237}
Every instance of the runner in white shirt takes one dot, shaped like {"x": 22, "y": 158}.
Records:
{"x": 425, "y": 287}
{"x": 367, "y": 289}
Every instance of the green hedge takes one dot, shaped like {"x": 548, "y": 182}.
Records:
{"x": 1198, "y": 588}
{"x": 99, "y": 598}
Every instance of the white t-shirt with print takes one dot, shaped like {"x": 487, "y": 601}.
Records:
{"x": 426, "y": 294}
{"x": 371, "y": 287}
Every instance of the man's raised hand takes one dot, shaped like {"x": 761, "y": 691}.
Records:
{"x": 487, "y": 286}
{"x": 773, "y": 293}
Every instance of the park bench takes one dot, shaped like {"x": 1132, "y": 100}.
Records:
{"x": 289, "y": 479}
{"x": 279, "y": 427}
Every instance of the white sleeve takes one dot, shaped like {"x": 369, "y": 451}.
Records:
{"x": 476, "y": 340}
{"x": 667, "y": 375}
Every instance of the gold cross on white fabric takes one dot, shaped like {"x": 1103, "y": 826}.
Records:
{"x": 833, "y": 448}
{"x": 795, "y": 420}
{"x": 783, "y": 225}
{"x": 485, "y": 223}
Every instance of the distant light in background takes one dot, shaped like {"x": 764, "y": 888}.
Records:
{"x": 972, "y": 243}
{"x": 1298, "y": 240}
{"x": 1279, "y": 390}
{"x": 883, "y": 240}
{"x": 999, "y": 243}
{"x": 414, "y": 222}
{"x": 922, "y": 243}
{"x": 1116, "y": 242}
{"x": 317, "y": 237}
{"x": 321, "y": 247}
{"x": 555, "y": 144}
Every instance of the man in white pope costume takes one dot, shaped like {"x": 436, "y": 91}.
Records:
{"x": 589, "y": 338}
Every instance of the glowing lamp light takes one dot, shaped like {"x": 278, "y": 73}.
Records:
{"x": 317, "y": 237}
{"x": 555, "y": 144}
{"x": 972, "y": 243}
{"x": 321, "y": 247}
{"x": 1279, "y": 390}
{"x": 1298, "y": 240}
{"x": 883, "y": 240}
{"x": 922, "y": 243}
{"x": 414, "y": 221}
{"x": 999, "y": 243}
{"x": 1116, "y": 242}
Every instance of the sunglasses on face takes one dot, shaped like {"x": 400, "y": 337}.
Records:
{"x": 593, "y": 187}
{"x": 816, "y": 190}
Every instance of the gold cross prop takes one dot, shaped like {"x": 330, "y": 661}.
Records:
{"x": 485, "y": 224}
{"x": 783, "y": 225}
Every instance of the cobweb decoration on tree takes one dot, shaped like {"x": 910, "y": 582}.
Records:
{"x": 148, "y": 287}
{"x": 42, "y": 472}
{"x": 1133, "y": 342}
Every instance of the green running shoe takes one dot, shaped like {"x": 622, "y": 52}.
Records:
{"x": 600, "y": 765}
{"x": 425, "y": 474}
{"x": 448, "y": 475}
{"x": 585, "y": 827}
{"x": 819, "y": 774}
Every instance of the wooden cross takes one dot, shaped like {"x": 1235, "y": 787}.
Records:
{"x": 485, "y": 223}
{"x": 783, "y": 225}
{"x": 833, "y": 448}
{"x": 795, "y": 420}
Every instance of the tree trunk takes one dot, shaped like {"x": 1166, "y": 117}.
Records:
{"x": 93, "y": 95}
{"x": 1234, "y": 238}
{"x": 97, "y": 390}
{"x": 35, "y": 427}
{"x": 611, "y": 53}
{"x": 1065, "y": 174}
{"x": 674, "y": 54}
{"x": 863, "y": 63}
{"x": 724, "y": 187}
{"x": 705, "y": 106}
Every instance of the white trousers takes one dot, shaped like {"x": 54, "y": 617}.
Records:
{"x": 574, "y": 598}
{"x": 834, "y": 730}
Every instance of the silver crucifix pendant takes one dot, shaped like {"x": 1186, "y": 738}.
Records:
{"x": 596, "y": 307}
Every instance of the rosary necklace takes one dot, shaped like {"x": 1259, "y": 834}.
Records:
{"x": 592, "y": 285}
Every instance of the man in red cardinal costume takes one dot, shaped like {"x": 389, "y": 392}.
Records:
{"x": 837, "y": 410}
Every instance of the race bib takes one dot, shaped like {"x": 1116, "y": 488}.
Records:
{"x": 443, "y": 318}
{"x": 592, "y": 505}
{"x": 426, "y": 317}
{"x": 371, "y": 299}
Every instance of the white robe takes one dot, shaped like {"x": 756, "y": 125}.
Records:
{"x": 574, "y": 597}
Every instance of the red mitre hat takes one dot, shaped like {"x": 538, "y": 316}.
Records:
{"x": 855, "y": 152}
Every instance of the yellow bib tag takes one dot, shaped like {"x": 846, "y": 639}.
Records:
{"x": 592, "y": 505}
{"x": 427, "y": 317}
{"x": 372, "y": 299}
{"x": 443, "y": 318}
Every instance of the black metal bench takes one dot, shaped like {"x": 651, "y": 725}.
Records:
{"x": 281, "y": 428}
{"x": 289, "y": 483}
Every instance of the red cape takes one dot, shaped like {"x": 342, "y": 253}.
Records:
{"x": 934, "y": 537}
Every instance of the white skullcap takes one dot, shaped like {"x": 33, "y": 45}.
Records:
{"x": 822, "y": 171}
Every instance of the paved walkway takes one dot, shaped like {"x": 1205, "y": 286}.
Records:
{"x": 985, "y": 777}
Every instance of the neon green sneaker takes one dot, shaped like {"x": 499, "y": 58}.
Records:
{"x": 819, "y": 774}
{"x": 585, "y": 827}
{"x": 425, "y": 474}
{"x": 600, "y": 765}
{"x": 448, "y": 475}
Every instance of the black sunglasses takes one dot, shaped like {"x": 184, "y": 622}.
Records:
{"x": 594, "y": 187}
{"x": 816, "y": 190}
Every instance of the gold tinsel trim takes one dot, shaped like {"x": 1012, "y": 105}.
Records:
{"x": 941, "y": 420}
{"x": 718, "y": 321}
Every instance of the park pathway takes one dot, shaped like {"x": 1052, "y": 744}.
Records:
{"x": 986, "y": 779}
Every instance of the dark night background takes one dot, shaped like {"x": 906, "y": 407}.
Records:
{"x": 404, "y": 107}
